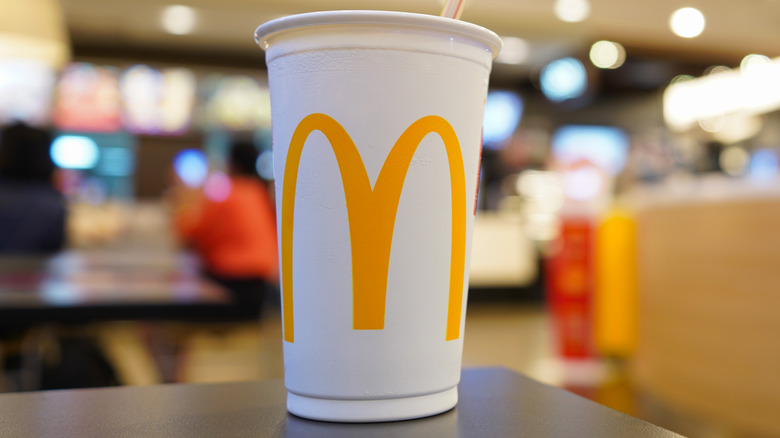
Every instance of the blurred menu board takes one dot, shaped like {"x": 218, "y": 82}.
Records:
{"x": 604, "y": 146}
{"x": 87, "y": 99}
{"x": 25, "y": 91}
{"x": 237, "y": 103}
{"x": 157, "y": 102}
{"x": 145, "y": 100}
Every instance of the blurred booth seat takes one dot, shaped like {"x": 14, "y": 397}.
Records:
{"x": 709, "y": 258}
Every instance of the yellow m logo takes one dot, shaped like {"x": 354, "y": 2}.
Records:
{"x": 371, "y": 215}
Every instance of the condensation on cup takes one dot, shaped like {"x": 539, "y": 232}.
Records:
{"x": 377, "y": 120}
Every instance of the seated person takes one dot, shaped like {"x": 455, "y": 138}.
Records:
{"x": 32, "y": 212}
{"x": 234, "y": 233}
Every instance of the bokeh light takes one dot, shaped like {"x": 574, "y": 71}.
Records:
{"x": 514, "y": 51}
{"x": 572, "y": 11}
{"x": 715, "y": 69}
{"x": 217, "y": 187}
{"x": 753, "y": 64}
{"x": 734, "y": 160}
{"x": 503, "y": 110}
{"x": 607, "y": 54}
{"x": 583, "y": 183}
{"x": 713, "y": 124}
{"x": 687, "y": 22}
{"x": 564, "y": 79}
{"x": 265, "y": 165}
{"x": 179, "y": 19}
{"x": 681, "y": 78}
{"x": 74, "y": 152}
{"x": 191, "y": 165}
{"x": 763, "y": 165}
{"x": 737, "y": 128}
{"x": 543, "y": 199}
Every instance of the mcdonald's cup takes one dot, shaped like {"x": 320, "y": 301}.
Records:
{"x": 377, "y": 120}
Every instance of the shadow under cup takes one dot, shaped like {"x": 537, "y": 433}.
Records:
{"x": 377, "y": 120}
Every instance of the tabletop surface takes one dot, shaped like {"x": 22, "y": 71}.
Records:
{"x": 494, "y": 402}
{"x": 81, "y": 286}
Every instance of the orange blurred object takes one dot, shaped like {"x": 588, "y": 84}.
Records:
{"x": 616, "y": 284}
{"x": 235, "y": 235}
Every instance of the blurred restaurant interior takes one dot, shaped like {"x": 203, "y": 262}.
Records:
{"x": 627, "y": 239}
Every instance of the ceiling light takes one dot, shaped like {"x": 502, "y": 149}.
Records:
{"x": 514, "y": 51}
{"x": 752, "y": 90}
{"x": 681, "y": 78}
{"x": 687, "y": 22}
{"x": 715, "y": 69}
{"x": 713, "y": 124}
{"x": 738, "y": 128}
{"x": 178, "y": 19}
{"x": 572, "y": 11}
{"x": 754, "y": 63}
{"x": 607, "y": 54}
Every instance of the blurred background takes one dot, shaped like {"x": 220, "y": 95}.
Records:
{"x": 628, "y": 226}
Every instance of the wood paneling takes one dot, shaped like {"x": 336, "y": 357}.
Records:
{"x": 709, "y": 310}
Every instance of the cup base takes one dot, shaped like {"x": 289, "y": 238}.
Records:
{"x": 370, "y": 411}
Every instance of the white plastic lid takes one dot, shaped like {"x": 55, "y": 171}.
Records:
{"x": 404, "y": 19}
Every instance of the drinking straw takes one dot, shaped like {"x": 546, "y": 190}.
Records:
{"x": 453, "y": 9}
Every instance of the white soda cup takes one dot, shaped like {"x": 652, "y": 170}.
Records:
{"x": 377, "y": 120}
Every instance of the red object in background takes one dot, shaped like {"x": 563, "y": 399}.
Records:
{"x": 570, "y": 289}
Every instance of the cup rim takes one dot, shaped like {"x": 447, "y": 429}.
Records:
{"x": 407, "y": 19}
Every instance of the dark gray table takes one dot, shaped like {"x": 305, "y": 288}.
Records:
{"x": 494, "y": 402}
{"x": 80, "y": 287}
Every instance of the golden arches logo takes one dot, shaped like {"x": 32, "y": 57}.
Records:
{"x": 371, "y": 214}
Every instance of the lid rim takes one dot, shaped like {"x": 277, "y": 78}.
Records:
{"x": 479, "y": 33}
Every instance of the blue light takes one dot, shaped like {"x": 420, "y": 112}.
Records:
{"x": 74, "y": 152}
{"x": 564, "y": 79}
{"x": 265, "y": 165}
{"x": 763, "y": 165}
{"x": 191, "y": 166}
{"x": 604, "y": 146}
{"x": 503, "y": 110}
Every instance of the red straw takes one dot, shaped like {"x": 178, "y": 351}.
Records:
{"x": 453, "y": 9}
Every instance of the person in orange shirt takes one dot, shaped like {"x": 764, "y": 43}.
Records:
{"x": 232, "y": 227}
